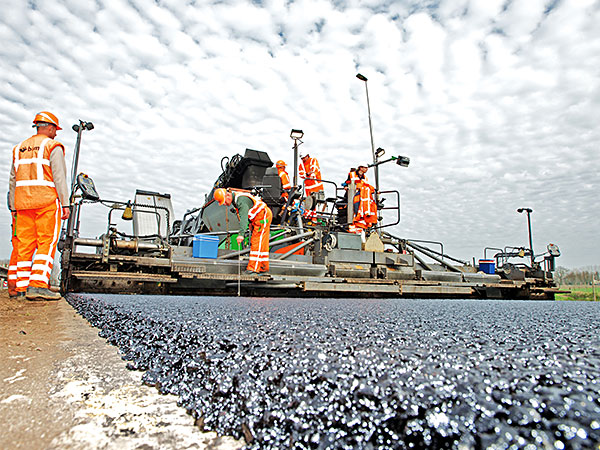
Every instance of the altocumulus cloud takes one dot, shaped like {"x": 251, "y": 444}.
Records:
{"x": 495, "y": 103}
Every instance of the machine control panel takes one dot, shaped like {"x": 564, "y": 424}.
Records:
{"x": 86, "y": 185}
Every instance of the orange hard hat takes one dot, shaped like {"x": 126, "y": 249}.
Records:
{"x": 46, "y": 117}
{"x": 220, "y": 195}
{"x": 280, "y": 163}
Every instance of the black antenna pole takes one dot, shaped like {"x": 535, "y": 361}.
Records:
{"x": 78, "y": 129}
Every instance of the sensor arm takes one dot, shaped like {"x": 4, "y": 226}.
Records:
{"x": 403, "y": 161}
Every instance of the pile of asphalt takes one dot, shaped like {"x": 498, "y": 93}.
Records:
{"x": 298, "y": 373}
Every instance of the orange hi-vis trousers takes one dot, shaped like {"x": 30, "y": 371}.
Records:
{"x": 259, "y": 241}
{"x": 12, "y": 265}
{"x": 38, "y": 231}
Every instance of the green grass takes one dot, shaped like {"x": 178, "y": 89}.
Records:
{"x": 579, "y": 293}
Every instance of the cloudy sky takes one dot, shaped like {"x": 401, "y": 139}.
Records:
{"x": 496, "y": 103}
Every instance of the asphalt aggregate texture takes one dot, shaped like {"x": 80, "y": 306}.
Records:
{"x": 368, "y": 373}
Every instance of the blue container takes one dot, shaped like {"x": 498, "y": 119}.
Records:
{"x": 487, "y": 266}
{"x": 205, "y": 246}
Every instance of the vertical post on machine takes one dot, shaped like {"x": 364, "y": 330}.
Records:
{"x": 529, "y": 211}
{"x": 365, "y": 79}
{"x": 296, "y": 135}
{"x": 78, "y": 129}
{"x": 373, "y": 152}
{"x": 70, "y": 228}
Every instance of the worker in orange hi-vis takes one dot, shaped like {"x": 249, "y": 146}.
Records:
{"x": 39, "y": 196}
{"x": 365, "y": 207}
{"x": 254, "y": 215}
{"x": 309, "y": 170}
{"x": 286, "y": 184}
{"x": 357, "y": 176}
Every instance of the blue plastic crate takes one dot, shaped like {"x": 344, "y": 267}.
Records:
{"x": 487, "y": 266}
{"x": 205, "y": 246}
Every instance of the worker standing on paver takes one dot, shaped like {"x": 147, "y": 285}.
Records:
{"x": 364, "y": 204}
{"x": 286, "y": 184}
{"x": 256, "y": 216}
{"x": 39, "y": 197}
{"x": 310, "y": 172}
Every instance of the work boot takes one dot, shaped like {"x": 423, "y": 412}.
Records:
{"x": 16, "y": 295}
{"x": 12, "y": 289}
{"x": 40, "y": 293}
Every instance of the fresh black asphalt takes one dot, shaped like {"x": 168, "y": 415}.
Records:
{"x": 352, "y": 373}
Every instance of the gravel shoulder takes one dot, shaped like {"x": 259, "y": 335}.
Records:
{"x": 62, "y": 386}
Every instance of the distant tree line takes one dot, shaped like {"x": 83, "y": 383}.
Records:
{"x": 583, "y": 275}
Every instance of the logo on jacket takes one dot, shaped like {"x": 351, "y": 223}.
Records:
{"x": 29, "y": 149}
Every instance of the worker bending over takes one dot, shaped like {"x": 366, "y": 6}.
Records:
{"x": 256, "y": 216}
{"x": 38, "y": 195}
{"x": 310, "y": 171}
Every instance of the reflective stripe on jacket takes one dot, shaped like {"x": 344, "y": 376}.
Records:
{"x": 367, "y": 206}
{"x": 34, "y": 186}
{"x": 285, "y": 179}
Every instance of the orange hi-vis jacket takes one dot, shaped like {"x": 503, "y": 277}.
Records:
{"x": 365, "y": 205}
{"x": 260, "y": 217}
{"x": 353, "y": 177}
{"x": 259, "y": 205}
{"x": 35, "y": 186}
{"x": 311, "y": 172}
{"x": 367, "y": 209}
{"x": 285, "y": 179}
